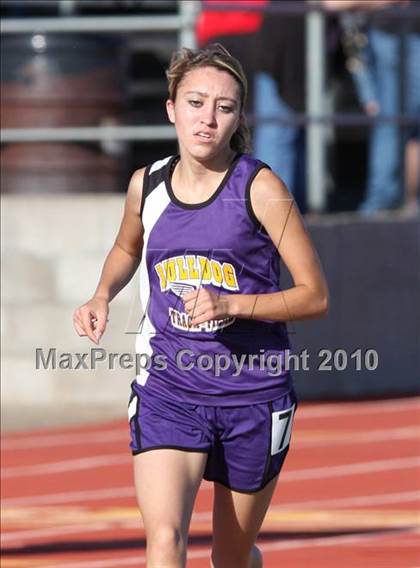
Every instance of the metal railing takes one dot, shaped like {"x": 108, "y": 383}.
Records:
{"x": 94, "y": 24}
{"x": 315, "y": 107}
{"x": 88, "y": 134}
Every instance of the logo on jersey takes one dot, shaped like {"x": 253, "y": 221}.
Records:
{"x": 183, "y": 274}
{"x": 197, "y": 271}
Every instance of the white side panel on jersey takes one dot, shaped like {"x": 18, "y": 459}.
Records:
{"x": 156, "y": 202}
{"x": 132, "y": 408}
{"x": 159, "y": 164}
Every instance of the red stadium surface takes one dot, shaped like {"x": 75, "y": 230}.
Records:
{"x": 348, "y": 496}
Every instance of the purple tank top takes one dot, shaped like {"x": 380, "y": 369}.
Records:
{"x": 217, "y": 244}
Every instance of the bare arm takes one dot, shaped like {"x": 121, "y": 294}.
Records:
{"x": 308, "y": 298}
{"x": 124, "y": 257}
{"x": 119, "y": 267}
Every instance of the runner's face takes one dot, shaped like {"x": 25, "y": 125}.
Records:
{"x": 206, "y": 112}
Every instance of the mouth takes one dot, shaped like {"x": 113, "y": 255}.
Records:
{"x": 203, "y": 136}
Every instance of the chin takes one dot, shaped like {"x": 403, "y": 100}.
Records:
{"x": 202, "y": 153}
{"x": 207, "y": 152}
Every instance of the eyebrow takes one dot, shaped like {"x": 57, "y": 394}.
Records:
{"x": 206, "y": 95}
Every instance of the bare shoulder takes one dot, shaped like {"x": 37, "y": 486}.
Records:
{"x": 135, "y": 190}
{"x": 268, "y": 190}
{"x": 129, "y": 237}
{"x": 136, "y": 181}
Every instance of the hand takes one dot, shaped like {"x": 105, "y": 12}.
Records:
{"x": 91, "y": 319}
{"x": 372, "y": 108}
{"x": 204, "y": 305}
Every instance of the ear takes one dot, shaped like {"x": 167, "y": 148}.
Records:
{"x": 170, "y": 109}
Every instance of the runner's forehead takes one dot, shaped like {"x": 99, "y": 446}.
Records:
{"x": 210, "y": 81}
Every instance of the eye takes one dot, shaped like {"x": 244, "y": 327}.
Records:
{"x": 226, "y": 108}
{"x": 195, "y": 102}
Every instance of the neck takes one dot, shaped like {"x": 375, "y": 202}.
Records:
{"x": 194, "y": 180}
{"x": 192, "y": 170}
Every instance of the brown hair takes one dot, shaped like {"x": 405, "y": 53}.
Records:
{"x": 215, "y": 55}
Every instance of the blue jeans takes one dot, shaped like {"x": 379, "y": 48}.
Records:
{"x": 363, "y": 79}
{"x": 383, "y": 190}
{"x": 279, "y": 145}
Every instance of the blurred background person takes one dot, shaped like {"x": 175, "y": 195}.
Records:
{"x": 279, "y": 91}
{"x": 381, "y": 58}
{"x": 234, "y": 28}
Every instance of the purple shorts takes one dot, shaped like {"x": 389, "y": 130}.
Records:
{"x": 246, "y": 445}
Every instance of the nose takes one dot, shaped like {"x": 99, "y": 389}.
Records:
{"x": 208, "y": 115}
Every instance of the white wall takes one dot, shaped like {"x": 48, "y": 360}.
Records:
{"x": 53, "y": 248}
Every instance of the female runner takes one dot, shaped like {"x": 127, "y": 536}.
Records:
{"x": 215, "y": 399}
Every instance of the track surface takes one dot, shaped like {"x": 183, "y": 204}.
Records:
{"x": 348, "y": 495}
